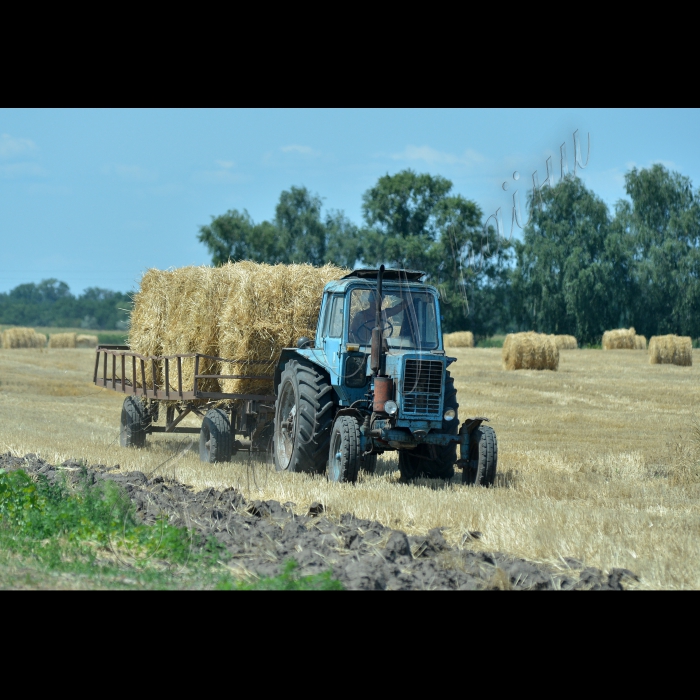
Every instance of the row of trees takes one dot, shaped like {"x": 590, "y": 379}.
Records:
{"x": 50, "y": 303}
{"x": 578, "y": 269}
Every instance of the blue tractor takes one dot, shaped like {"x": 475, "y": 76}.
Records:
{"x": 375, "y": 378}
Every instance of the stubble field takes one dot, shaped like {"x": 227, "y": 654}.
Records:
{"x": 598, "y": 461}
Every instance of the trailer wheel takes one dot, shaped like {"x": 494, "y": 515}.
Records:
{"x": 215, "y": 442}
{"x": 345, "y": 452}
{"x": 433, "y": 461}
{"x": 483, "y": 458}
{"x": 134, "y": 423}
{"x": 303, "y": 418}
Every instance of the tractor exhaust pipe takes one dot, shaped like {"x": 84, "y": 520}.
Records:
{"x": 376, "y": 350}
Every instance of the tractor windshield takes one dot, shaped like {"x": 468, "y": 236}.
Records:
{"x": 408, "y": 318}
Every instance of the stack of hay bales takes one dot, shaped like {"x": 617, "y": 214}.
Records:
{"x": 640, "y": 342}
{"x": 620, "y": 339}
{"x": 86, "y": 341}
{"x": 62, "y": 340}
{"x": 530, "y": 351}
{"x": 671, "y": 350}
{"x": 566, "y": 342}
{"x": 242, "y": 311}
{"x": 460, "y": 339}
{"x": 22, "y": 338}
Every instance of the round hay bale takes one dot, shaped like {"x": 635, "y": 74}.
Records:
{"x": 671, "y": 350}
{"x": 620, "y": 339}
{"x": 86, "y": 341}
{"x": 566, "y": 342}
{"x": 62, "y": 340}
{"x": 22, "y": 338}
{"x": 530, "y": 350}
{"x": 640, "y": 342}
{"x": 39, "y": 340}
{"x": 459, "y": 339}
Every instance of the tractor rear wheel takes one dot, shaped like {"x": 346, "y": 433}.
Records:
{"x": 134, "y": 423}
{"x": 303, "y": 418}
{"x": 434, "y": 461}
{"x": 483, "y": 458}
{"x": 345, "y": 453}
{"x": 215, "y": 439}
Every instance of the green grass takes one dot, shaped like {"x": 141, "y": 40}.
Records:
{"x": 58, "y": 535}
{"x": 495, "y": 341}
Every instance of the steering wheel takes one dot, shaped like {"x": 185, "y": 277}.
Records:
{"x": 369, "y": 326}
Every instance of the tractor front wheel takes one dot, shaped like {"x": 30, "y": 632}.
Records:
{"x": 345, "y": 455}
{"x": 483, "y": 458}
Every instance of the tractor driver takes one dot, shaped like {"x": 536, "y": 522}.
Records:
{"x": 365, "y": 320}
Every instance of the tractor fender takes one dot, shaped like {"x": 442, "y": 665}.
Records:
{"x": 354, "y": 412}
{"x": 313, "y": 355}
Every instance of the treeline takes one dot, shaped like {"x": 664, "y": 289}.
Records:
{"x": 50, "y": 303}
{"x": 578, "y": 270}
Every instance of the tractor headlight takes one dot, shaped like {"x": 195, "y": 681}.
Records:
{"x": 450, "y": 413}
{"x": 391, "y": 408}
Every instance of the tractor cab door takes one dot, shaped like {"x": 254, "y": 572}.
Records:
{"x": 332, "y": 335}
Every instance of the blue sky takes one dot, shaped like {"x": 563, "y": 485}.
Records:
{"x": 95, "y": 197}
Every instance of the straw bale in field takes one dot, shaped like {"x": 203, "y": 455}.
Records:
{"x": 22, "y": 338}
{"x": 86, "y": 341}
{"x": 530, "y": 351}
{"x": 242, "y": 311}
{"x": 269, "y": 307}
{"x": 671, "y": 350}
{"x": 62, "y": 340}
{"x": 620, "y": 339}
{"x": 460, "y": 339}
{"x": 640, "y": 342}
{"x": 566, "y": 342}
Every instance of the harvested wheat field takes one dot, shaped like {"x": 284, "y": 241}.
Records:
{"x": 460, "y": 339}
{"x": 596, "y": 460}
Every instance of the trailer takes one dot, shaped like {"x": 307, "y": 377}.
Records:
{"x": 230, "y": 422}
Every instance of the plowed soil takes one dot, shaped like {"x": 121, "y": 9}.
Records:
{"x": 260, "y": 536}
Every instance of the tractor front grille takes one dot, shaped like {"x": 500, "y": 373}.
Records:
{"x": 422, "y": 385}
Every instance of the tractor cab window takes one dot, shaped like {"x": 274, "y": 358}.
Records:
{"x": 334, "y": 318}
{"x": 408, "y": 318}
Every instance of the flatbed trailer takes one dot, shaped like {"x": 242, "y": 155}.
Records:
{"x": 120, "y": 369}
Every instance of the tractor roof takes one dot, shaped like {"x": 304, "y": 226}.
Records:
{"x": 400, "y": 275}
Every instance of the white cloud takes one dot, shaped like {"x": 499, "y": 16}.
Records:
{"x": 130, "y": 173}
{"x": 225, "y": 163}
{"x": 301, "y": 150}
{"x": 17, "y": 170}
{"x": 431, "y": 156}
{"x": 10, "y": 146}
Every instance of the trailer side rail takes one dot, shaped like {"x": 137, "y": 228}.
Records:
{"x": 124, "y": 359}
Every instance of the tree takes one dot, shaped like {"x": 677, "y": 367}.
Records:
{"x": 234, "y": 236}
{"x": 414, "y": 222}
{"x": 571, "y": 272}
{"x": 663, "y": 222}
